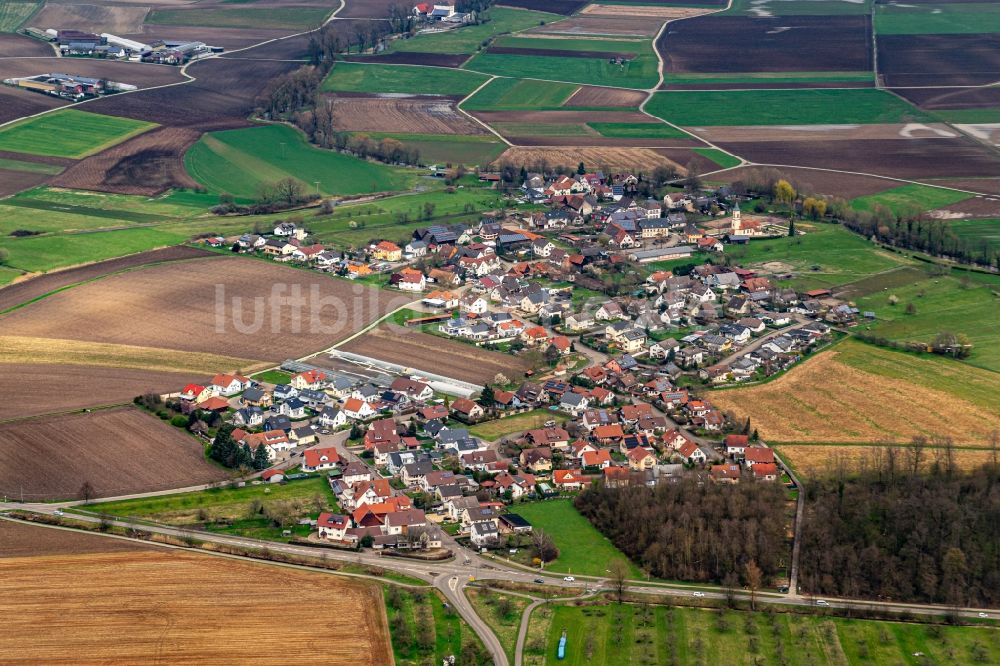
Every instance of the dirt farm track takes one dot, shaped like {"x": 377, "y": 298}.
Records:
{"x": 119, "y": 451}
{"x": 183, "y": 608}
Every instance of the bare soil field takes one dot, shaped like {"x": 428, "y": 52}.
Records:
{"x": 117, "y": 19}
{"x": 141, "y": 75}
{"x": 972, "y": 207}
{"x": 227, "y": 38}
{"x": 433, "y": 354}
{"x": 806, "y": 406}
{"x": 408, "y": 114}
{"x": 644, "y": 12}
{"x": 597, "y": 142}
{"x": 413, "y": 58}
{"x": 688, "y": 158}
{"x": 781, "y": 44}
{"x": 26, "y": 290}
{"x": 845, "y": 185}
{"x": 185, "y": 608}
{"x": 929, "y": 60}
{"x": 564, "y": 7}
{"x": 814, "y": 460}
{"x": 221, "y": 98}
{"x": 119, "y": 451}
{"x": 31, "y": 389}
{"x": 793, "y": 133}
{"x": 594, "y": 96}
{"x": 208, "y": 305}
{"x": 952, "y": 98}
{"x": 919, "y": 158}
{"x": 16, "y": 104}
{"x": 586, "y": 23}
{"x": 148, "y": 164}
{"x": 366, "y": 9}
{"x": 600, "y": 157}
{"x": 24, "y": 539}
{"x": 12, "y": 182}
{"x": 13, "y": 45}
{"x": 984, "y": 185}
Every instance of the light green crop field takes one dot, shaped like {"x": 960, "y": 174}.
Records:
{"x": 978, "y": 232}
{"x": 520, "y": 95}
{"x": 723, "y": 159}
{"x": 942, "y": 303}
{"x": 69, "y": 133}
{"x": 827, "y": 255}
{"x": 13, "y": 14}
{"x": 707, "y": 79}
{"x": 970, "y": 116}
{"x": 937, "y": 19}
{"x": 287, "y": 18}
{"x": 359, "y": 77}
{"x": 602, "y": 635}
{"x": 241, "y": 161}
{"x": 30, "y": 167}
{"x": 638, "y": 131}
{"x": 44, "y": 253}
{"x": 7, "y": 275}
{"x": 582, "y": 549}
{"x": 469, "y": 150}
{"x": 638, "y": 73}
{"x": 904, "y": 197}
{"x": 470, "y": 38}
{"x": 543, "y": 129}
{"x": 636, "y": 46}
{"x": 782, "y": 107}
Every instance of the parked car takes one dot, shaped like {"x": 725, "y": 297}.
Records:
{"x": 539, "y": 580}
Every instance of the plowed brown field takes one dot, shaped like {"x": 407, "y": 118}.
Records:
{"x": 617, "y": 26}
{"x": 30, "y": 389}
{"x": 145, "y": 165}
{"x": 421, "y": 116}
{"x": 830, "y": 183}
{"x": 433, "y": 354}
{"x": 599, "y": 157}
{"x": 230, "y": 305}
{"x": 91, "y": 18}
{"x": 23, "y": 539}
{"x": 167, "y": 607}
{"x": 119, "y": 451}
{"x": 594, "y": 96}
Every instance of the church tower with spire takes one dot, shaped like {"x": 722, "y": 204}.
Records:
{"x": 737, "y": 221}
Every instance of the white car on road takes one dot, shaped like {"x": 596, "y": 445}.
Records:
{"x": 699, "y": 594}
{"x": 569, "y": 579}
{"x": 822, "y": 602}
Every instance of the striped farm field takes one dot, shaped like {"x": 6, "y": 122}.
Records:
{"x": 69, "y": 133}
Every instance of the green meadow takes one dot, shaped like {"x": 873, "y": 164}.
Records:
{"x": 360, "y": 77}
{"x": 937, "y": 19}
{"x": 504, "y": 94}
{"x": 240, "y": 161}
{"x": 69, "y": 133}
{"x": 899, "y": 199}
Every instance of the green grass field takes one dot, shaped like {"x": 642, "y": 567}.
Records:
{"x": 636, "y": 46}
{"x": 638, "y": 131}
{"x": 542, "y": 129}
{"x": 492, "y": 430}
{"x": 273, "y": 377}
{"x": 520, "y": 95}
{"x": 241, "y": 161}
{"x": 782, "y": 107}
{"x": 44, "y": 253}
{"x": 582, "y": 549}
{"x": 69, "y": 133}
{"x": 638, "y": 73}
{"x": 358, "y": 77}
{"x": 470, "y": 150}
{"x": 7, "y": 275}
{"x": 723, "y": 159}
{"x": 504, "y": 625}
{"x": 937, "y": 19}
{"x": 632, "y": 634}
{"x": 428, "y": 631}
{"x": 970, "y": 116}
{"x": 944, "y": 303}
{"x": 978, "y": 232}
{"x": 910, "y": 196}
{"x": 285, "y": 18}
{"x": 13, "y": 14}
{"x": 470, "y": 38}
{"x": 764, "y": 77}
{"x": 827, "y": 255}
{"x": 30, "y": 167}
